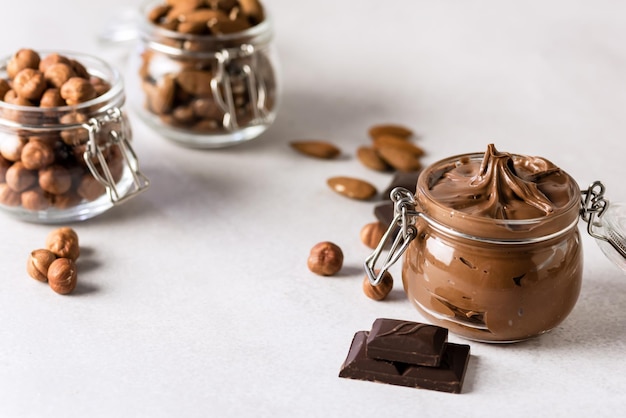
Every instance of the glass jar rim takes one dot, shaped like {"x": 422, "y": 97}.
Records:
{"x": 114, "y": 97}
{"x": 491, "y": 228}
{"x": 258, "y": 35}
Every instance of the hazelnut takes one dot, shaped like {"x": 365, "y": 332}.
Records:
{"x": 62, "y": 276}
{"x": 38, "y": 264}
{"x": 4, "y": 166}
{"x": 24, "y": 58}
{"x": 55, "y": 179}
{"x": 29, "y": 84}
{"x": 35, "y": 199}
{"x": 89, "y": 188}
{"x": 11, "y": 97}
{"x": 79, "y": 69}
{"x": 51, "y": 98}
{"x": 19, "y": 178}
{"x": 11, "y": 146}
{"x": 8, "y": 196}
{"x": 380, "y": 291}
{"x": 100, "y": 86}
{"x": 74, "y": 136}
{"x": 77, "y": 90}
{"x": 325, "y": 259}
{"x": 66, "y": 200}
{"x": 37, "y": 154}
{"x": 57, "y": 74}
{"x": 52, "y": 59}
{"x": 63, "y": 242}
{"x": 372, "y": 233}
{"x": 4, "y": 87}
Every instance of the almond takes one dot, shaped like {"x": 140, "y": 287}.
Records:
{"x": 389, "y": 129}
{"x": 352, "y": 187}
{"x": 370, "y": 159}
{"x": 317, "y": 149}
{"x": 400, "y": 160}
{"x": 195, "y": 82}
{"x": 399, "y": 143}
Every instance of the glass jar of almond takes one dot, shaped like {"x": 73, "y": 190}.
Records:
{"x": 65, "y": 152}
{"x": 205, "y": 74}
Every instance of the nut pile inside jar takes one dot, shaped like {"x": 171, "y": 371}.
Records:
{"x": 203, "y": 73}
{"x": 43, "y": 168}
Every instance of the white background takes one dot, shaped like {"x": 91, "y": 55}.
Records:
{"x": 194, "y": 299}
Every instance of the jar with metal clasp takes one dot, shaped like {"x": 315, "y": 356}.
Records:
{"x": 68, "y": 162}
{"x": 491, "y": 244}
{"x": 205, "y": 77}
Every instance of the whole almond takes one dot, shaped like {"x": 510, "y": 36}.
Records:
{"x": 352, "y": 187}
{"x": 397, "y": 142}
{"x": 370, "y": 159}
{"x": 390, "y": 129}
{"x": 317, "y": 149}
{"x": 196, "y": 82}
{"x": 400, "y": 160}
{"x": 372, "y": 233}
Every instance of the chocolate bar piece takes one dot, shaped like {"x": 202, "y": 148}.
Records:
{"x": 406, "y": 342}
{"x": 408, "y": 180}
{"x": 448, "y": 377}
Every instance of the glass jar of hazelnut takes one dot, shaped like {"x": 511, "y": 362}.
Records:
{"x": 206, "y": 73}
{"x": 64, "y": 138}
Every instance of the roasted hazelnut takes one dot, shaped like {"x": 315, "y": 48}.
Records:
{"x": 66, "y": 200}
{"x": 89, "y": 188}
{"x": 38, "y": 264}
{"x": 37, "y": 154}
{"x": 8, "y": 196}
{"x": 52, "y": 59}
{"x": 380, "y": 291}
{"x": 79, "y": 69}
{"x": 29, "y": 84}
{"x": 51, "y": 98}
{"x": 19, "y": 178}
{"x": 55, "y": 179}
{"x": 57, "y": 74}
{"x": 100, "y": 86}
{"x": 4, "y": 87}
{"x": 325, "y": 259}
{"x": 11, "y": 146}
{"x": 77, "y": 90}
{"x": 372, "y": 233}
{"x": 62, "y": 276}
{"x": 35, "y": 199}
{"x": 63, "y": 242}
{"x": 74, "y": 136}
{"x": 4, "y": 166}
{"x": 24, "y": 58}
{"x": 11, "y": 97}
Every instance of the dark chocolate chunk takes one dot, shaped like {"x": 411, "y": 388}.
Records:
{"x": 408, "y": 180}
{"x": 384, "y": 213}
{"x": 406, "y": 342}
{"x": 448, "y": 377}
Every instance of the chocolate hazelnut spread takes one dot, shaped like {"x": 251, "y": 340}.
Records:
{"x": 497, "y": 256}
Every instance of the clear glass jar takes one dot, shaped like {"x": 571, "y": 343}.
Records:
{"x": 483, "y": 278}
{"x": 204, "y": 91}
{"x": 68, "y": 163}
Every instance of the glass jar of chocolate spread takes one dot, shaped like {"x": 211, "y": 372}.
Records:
{"x": 491, "y": 243}
{"x": 63, "y": 157}
{"x": 205, "y": 74}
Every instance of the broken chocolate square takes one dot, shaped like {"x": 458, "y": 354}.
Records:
{"x": 406, "y": 342}
{"x": 447, "y": 377}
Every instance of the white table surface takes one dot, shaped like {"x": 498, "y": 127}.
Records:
{"x": 195, "y": 299}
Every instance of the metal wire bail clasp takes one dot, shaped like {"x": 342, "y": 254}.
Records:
{"x": 405, "y": 218}
{"x": 118, "y": 137}
{"x": 593, "y": 206}
{"x": 223, "y": 90}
